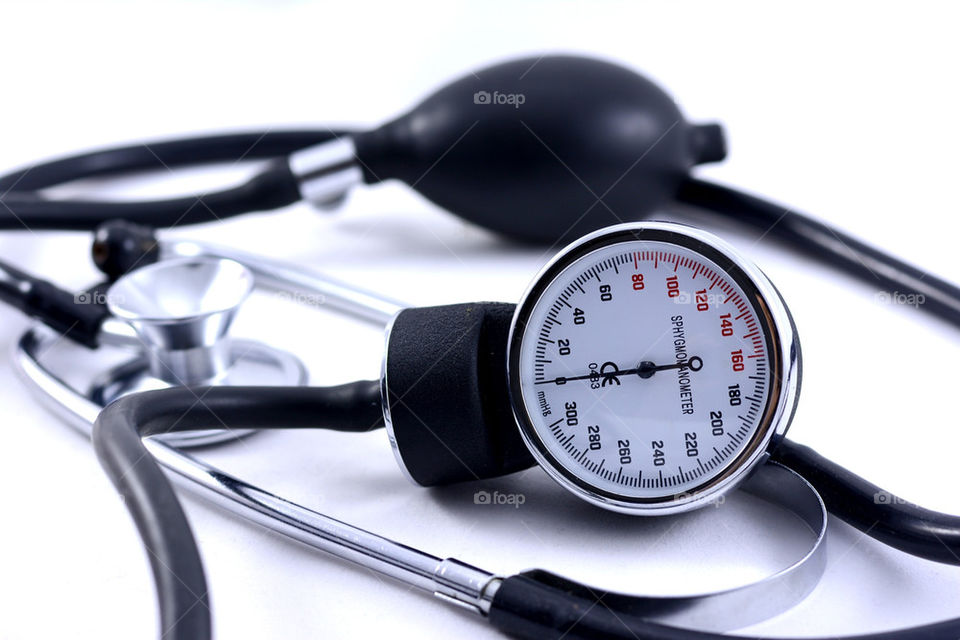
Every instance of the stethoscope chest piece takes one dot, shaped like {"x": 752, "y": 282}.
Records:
{"x": 180, "y": 311}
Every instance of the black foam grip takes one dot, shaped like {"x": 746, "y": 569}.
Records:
{"x": 448, "y": 393}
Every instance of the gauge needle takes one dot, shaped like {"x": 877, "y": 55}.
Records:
{"x": 647, "y": 368}
{"x": 609, "y": 372}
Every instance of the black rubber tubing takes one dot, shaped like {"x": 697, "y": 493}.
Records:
{"x": 537, "y": 605}
{"x": 542, "y": 606}
{"x": 23, "y": 206}
{"x": 825, "y": 244}
{"x": 881, "y": 515}
{"x": 149, "y": 496}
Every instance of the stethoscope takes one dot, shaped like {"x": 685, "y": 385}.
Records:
{"x": 649, "y": 368}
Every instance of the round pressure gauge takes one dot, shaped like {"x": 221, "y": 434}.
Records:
{"x": 652, "y": 368}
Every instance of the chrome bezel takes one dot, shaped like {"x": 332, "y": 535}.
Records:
{"x": 385, "y": 402}
{"x": 785, "y": 369}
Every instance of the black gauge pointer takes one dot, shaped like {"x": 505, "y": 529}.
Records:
{"x": 609, "y": 373}
{"x": 647, "y": 368}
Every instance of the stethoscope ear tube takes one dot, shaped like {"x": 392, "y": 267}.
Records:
{"x": 118, "y": 440}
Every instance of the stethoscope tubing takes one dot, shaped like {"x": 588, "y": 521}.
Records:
{"x": 24, "y": 206}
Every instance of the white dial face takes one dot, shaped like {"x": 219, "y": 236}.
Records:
{"x": 644, "y": 368}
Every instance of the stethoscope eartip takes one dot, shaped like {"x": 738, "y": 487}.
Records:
{"x": 120, "y": 246}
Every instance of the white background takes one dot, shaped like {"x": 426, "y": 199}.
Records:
{"x": 847, "y": 111}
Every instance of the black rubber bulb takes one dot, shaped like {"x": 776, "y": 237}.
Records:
{"x": 543, "y": 149}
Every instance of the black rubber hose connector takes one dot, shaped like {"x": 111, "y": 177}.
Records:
{"x": 881, "y": 515}
{"x": 77, "y": 316}
{"x": 26, "y": 206}
{"x": 537, "y": 605}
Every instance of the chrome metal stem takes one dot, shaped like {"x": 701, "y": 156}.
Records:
{"x": 326, "y": 172}
{"x": 449, "y": 579}
{"x": 309, "y": 287}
